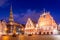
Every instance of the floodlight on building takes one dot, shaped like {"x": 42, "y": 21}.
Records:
{"x": 55, "y": 31}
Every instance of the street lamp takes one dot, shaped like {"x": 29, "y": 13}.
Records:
{"x": 55, "y": 31}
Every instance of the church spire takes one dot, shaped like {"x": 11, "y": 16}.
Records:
{"x": 44, "y": 11}
{"x": 11, "y": 15}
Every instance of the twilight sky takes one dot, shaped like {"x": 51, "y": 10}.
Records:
{"x": 22, "y": 9}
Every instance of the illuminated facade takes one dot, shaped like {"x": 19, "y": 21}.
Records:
{"x": 0, "y": 28}
{"x": 29, "y": 28}
{"x": 59, "y": 27}
{"x": 3, "y": 27}
{"x": 10, "y": 27}
{"x": 13, "y": 27}
{"x": 46, "y": 24}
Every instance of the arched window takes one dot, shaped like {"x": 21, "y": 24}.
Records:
{"x": 39, "y": 33}
{"x": 51, "y": 32}
{"x": 47, "y": 33}
{"x": 44, "y": 33}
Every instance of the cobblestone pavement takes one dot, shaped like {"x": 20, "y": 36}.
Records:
{"x": 33, "y": 37}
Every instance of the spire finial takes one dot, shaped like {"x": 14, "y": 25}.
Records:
{"x": 44, "y": 11}
{"x": 11, "y": 8}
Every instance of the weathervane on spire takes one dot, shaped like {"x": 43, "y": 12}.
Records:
{"x": 11, "y": 8}
{"x": 44, "y": 11}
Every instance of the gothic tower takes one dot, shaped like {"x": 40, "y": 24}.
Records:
{"x": 11, "y": 20}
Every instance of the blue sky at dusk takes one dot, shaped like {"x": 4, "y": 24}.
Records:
{"x": 22, "y": 9}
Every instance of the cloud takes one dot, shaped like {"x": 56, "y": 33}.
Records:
{"x": 22, "y": 17}
{"x": 16, "y": 15}
{"x": 4, "y": 3}
{"x": 34, "y": 17}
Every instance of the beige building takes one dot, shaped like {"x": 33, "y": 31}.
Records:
{"x": 29, "y": 28}
{"x": 3, "y": 27}
{"x": 46, "y": 24}
{"x": 12, "y": 26}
